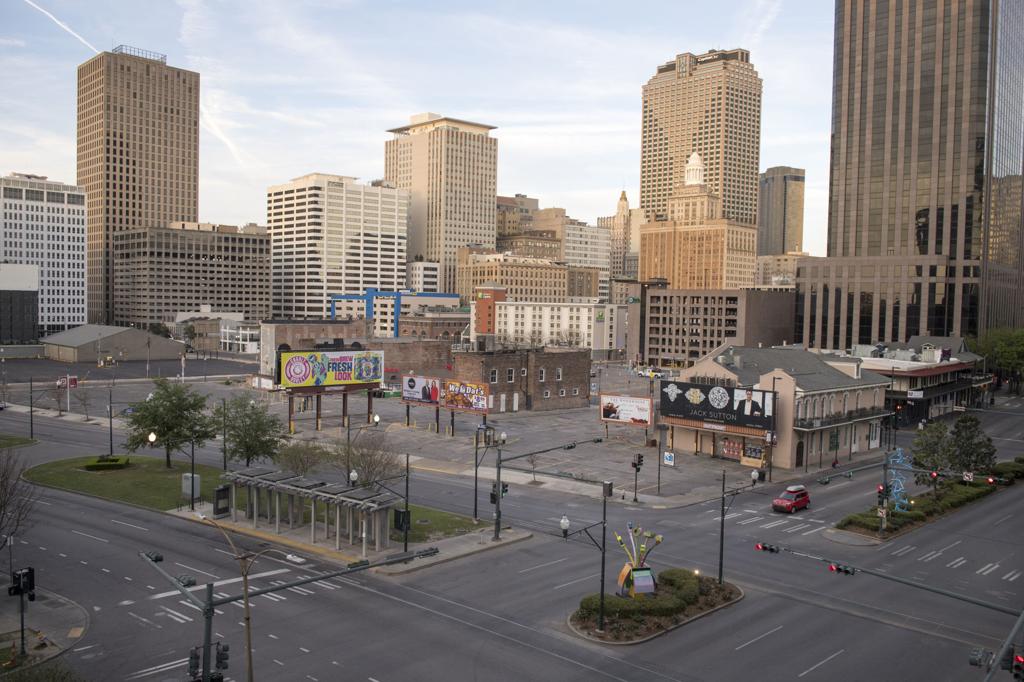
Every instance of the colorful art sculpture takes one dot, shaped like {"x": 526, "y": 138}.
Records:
{"x": 636, "y": 578}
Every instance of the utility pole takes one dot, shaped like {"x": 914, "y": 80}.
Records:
{"x": 31, "y": 410}
{"x": 885, "y": 495}
{"x": 497, "y": 500}
{"x": 476, "y": 466}
{"x": 224, "y": 412}
{"x": 721, "y": 533}
{"x": 407, "y": 521}
{"x": 110, "y": 418}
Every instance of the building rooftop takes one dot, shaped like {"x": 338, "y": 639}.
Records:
{"x": 431, "y": 118}
{"x": 810, "y": 370}
{"x": 83, "y": 334}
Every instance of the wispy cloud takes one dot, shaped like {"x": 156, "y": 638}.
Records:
{"x": 12, "y": 42}
{"x": 759, "y": 20}
{"x": 62, "y": 25}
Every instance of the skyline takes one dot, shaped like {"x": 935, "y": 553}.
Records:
{"x": 292, "y": 97}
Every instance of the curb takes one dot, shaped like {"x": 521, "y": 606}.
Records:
{"x": 420, "y": 565}
{"x": 61, "y": 651}
{"x": 648, "y": 638}
{"x": 851, "y": 539}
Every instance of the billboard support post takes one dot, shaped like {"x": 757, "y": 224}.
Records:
{"x": 291, "y": 413}
{"x": 437, "y": 420}
{"x": 453, "y": 424}
{"x": 344, "y": 410}
{"x": 318, "y": 396}
{"x": 406, "y": 416}
{"x": 369, "y": 405}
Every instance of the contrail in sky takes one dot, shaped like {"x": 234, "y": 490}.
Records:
{"x": 62, "y": 25}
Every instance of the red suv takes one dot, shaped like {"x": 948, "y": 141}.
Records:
{"x": 793, "y": 498}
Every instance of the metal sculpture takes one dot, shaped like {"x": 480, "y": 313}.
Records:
{"x": 636, "y": 578}
{"x": 898, "y": 462}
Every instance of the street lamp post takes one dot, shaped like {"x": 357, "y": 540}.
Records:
{"x": 564, "y": 525}
{"x": 245, "y": 563}
{"x": 353, "y": 479}
{"x": 348, "y": 438}
{"x": 110, "y": 418}
{"x": 488, "y": 436}
{"x": 497, "y": 500}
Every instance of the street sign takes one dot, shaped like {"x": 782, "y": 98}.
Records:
{"x": 62, "y": 382}
{"x": 881, "y": 512}
{"x": 668, "y": 459}
{"x": 969, "y": 476}
{"x": 72, "y": 382}
{"x": 915, "y": 394}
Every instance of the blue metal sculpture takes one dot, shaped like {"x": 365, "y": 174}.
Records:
{"x": 898, "y": 462}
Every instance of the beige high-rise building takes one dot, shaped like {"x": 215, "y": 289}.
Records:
{"x": 162, "y": 271}
{"x": 138, "y": 155}
{"x": 450, "y": 168}
{"x": 694, "y": 247}
{"x": 709, "y": 104}
{"x": 515, "y": 214}
{"x": 525, "y": 279}
{"x": 625, "y": 236}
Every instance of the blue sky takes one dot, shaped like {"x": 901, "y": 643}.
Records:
{"x": 292, "y": 86}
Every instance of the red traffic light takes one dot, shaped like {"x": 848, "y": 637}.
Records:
{"x": 881, "y": 488}
{"x": 934, "y": 475}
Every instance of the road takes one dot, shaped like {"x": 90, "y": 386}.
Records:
{"x": 501, "y": 615}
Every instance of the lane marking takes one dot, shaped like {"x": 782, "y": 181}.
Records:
{"x": 303, "y": 649}
{"x": 145, "y": 620}
{"x": 759, "y": 637}
{"x": 821, "y": 663}
{"x": 550, "y": 563}
{"x": 48, "y": 504}
{"x": 813, "y": 530}
{"x": 175, "y": 613}
{"x": 573, "y": 582}
{"x": 218, "y": 583}
{"x": 163, "y": 667}
{"x": 1015, "y": 577}
{"x": 326, "y": 585}
{"x": 775, "y": 523}
{"x": 130, "y": 525}
{"x": 1008, "y": 516}
{"x": 756, "y": 518}
{"x": 105, "y": 570}
{"x": 903, "y": 550}
{"x": 86, "y": 535}
{"x": 190, "y": 568}
{"x": 950, "y": 546}
{"x": 84, "y": 563}
{"x": 278, "y": 662}
{"x": 1007, "y": 576}
{"x": 957, "y": 562}
{"x": 728, "y": 516}
{"x": 797, "y": 527}
{"x": 928, "y": 555}
{"x": 273, "y": 636}
{"x": 63, "y": 555}
{"x": 83, "y": 648}
{"x": 127, "y": 578}
{"x": 126, "y": 602}
{"x": 994, "y": 567}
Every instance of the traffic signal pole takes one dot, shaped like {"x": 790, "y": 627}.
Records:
{"x": 721, "y": 534}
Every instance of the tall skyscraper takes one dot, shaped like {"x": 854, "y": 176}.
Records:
{"x": 44, "y": 225}
{"x": 450, "y": 168}
{"x": 332, "y": 235}
{"x": 709, "y": 104}
{"x": 780, "y": 211}
{"x": 925, "y": 195}
{"x": 138, "y": 154}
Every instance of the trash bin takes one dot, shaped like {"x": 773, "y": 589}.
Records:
{"x": 221, "y": 501}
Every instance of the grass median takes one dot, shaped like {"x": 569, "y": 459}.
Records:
{"x": 146, "y": 481}
{"x": 9, "y": 441}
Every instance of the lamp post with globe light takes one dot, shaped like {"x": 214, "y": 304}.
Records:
{"x": 564, "y": 524}
{"x": 374, "y": 421}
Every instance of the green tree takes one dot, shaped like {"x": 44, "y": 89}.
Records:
{"x": 176, "y": 413}
{"x": 932, "y": 451}
{"x": 369, "y": 456}
{"x": 160, "y": 329}
{"x": 299, "y": 457}
{"x": 1004, "y": 350}
{"x": 972, "y": 448}
{"x": 253, "y": 433}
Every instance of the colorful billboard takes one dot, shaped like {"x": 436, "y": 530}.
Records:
{"x": 626, "y": 409}
{"x": 421, "y": 390}
{"x": 718, "y": 404}
{"x": 464, "y": 396}
{"x": 330, "y": 368}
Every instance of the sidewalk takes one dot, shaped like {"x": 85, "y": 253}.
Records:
{"x": 53, "y": 624}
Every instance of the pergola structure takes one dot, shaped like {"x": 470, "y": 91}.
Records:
{"x": 366, "y": 506}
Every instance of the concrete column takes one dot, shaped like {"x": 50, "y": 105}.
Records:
{"x": 234, "y": 510}
{"x": 255, "y": 503}
{"x": 376, "y": 531}
{"x": 277, "y": 512}
{"x": 327, "y": 522}
{"x": 362, "y": 518}
{"x": 337, "y": 526}
{"x": 312, "y": 520}
{"x": 351, "y": 534}
{"x": 291, "y": 509}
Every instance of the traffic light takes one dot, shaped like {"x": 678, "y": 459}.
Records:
{"x": 23, "y": 581}
{"x": 841, "y": 569}
{"x": 639, "y": 460}
{"x": 155, "y": 557}
{"x": 222, "y": 656}
{"x": 764, "y": 547}
{"x": 504, "y": 489}
{"x": 881, "y": 495}
{"x": 494, "y": 492}
{"x": 1018, "y": 665}
{"x": 934, "y": 475}
{"x": 1007, "y": 661}
{"x": 193, "y": 661}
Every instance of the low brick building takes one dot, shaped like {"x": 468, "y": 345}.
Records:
{"x": 446, "y": 325}
{"x": 529, "y": 379}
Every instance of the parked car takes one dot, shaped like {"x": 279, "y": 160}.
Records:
{"x": 794, "y": 497}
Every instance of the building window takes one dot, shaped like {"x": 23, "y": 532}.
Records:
{"x": 561, "y": 392}
{"x": 558, "y": 374}
{"x": 494, "y": 376}
{"x": 511, "y": 374}
{"x": 547, "y": 394}
{"x": 522, "y": 372}
{"x": 542, "y": 375}
{"x": 575, "y": 391}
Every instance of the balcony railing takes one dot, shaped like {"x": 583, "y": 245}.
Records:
{"x": 856, "y": 415}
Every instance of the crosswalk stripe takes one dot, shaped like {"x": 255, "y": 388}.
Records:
{"x": 746, "y": 521}
{"x": 813, "y": 530}
{"x": 774, "y": 523}
{"x": 957, "y": 562}
{"x": 797, "y": 527}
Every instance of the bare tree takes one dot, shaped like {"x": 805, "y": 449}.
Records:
{"x": 57, "y": 394}
{"x": 299, "y": 457}
{"x": 83, "y": 397}
{"x": 536, "y": 338}
{"x": 17, "y": 496}
{"x": 369, "y": 456}
{"x": 532, "y": 461}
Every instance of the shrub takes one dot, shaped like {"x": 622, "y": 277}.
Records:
{"x": 1009, "y": 470}
{"x": 105, "y": 463}
{"x": 1019, "y": 460}
{"x": 677, "y": 589}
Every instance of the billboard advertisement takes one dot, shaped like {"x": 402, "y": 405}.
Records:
{"x": 718, "y": 404}
{"x": 625, "y": 409}
{"x": 330, "y": 368}
{"x": 465, "y": 396}
{"x": 421, "y": 390}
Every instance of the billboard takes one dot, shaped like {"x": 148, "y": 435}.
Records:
{"x": 330, "y": 368}
{"x": 421, "y": 390}
{"x": 718, "y": 404}
{"x": 462, "y": 395}
{"x": 625, "y": 409}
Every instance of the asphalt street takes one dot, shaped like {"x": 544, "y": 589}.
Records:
{"x": 501, "y": 615}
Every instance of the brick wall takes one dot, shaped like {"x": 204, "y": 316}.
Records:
{"x": 572, "y": 365}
